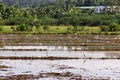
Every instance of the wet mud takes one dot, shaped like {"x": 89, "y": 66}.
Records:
{"x": 85, "y": 42}
{"x": 59, "y": 57}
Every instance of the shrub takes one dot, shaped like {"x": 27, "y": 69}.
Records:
{"x": 1, "y": 28}
{"x": 22, "y": 27}
{"x": 13, "y": 28}
{"x": 114, "y": 27}
{"x": 69, "y": 29}
{"x": 45, "y": 27}
{"x": 104, "y": 28}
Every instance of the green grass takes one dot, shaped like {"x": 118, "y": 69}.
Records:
{"x": 6, "y": 29}
{"x": 64, "y": 29}
{"x": 59, "y": 29}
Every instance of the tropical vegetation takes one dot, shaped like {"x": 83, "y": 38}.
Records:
{"x": 38, "y": 15}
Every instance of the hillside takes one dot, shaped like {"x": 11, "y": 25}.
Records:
{"x": 26, "y": 3}
{"x": 29, "y": 3}
{"x": 37, "y": 3}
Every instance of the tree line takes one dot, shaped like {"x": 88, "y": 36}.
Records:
{"x": 38, "y": 3}
{"x": 57, "y": 12}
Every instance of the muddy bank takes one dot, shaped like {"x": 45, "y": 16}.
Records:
{"x": 19, "y": 77}
{"x": 49, "y": 76}
{"x": 51, "y": 58}
{"x": 3, "y": 66}
{"x": 86, "y": 42}
{"x": 39, "y": 58}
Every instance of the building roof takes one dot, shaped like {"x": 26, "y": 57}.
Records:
{"x": 91, "y": 7}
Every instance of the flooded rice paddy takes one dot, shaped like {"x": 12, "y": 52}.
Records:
{"x": 59, "y": 57}
{"x": 62, "y": 69}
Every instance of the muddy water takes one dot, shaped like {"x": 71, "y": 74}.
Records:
{"x": 68, "y": 69}
{"x": 73, "y": 57}
{"x": 85, "y": 42}
{"x": 56, "y": 51}
{"x": 88, "y": 69}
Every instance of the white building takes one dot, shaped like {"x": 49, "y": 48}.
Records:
{"x": 97, "y": 9}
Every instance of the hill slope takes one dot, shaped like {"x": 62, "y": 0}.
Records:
{"x": 26, "y": 3}
{"x": 34, "y": 3}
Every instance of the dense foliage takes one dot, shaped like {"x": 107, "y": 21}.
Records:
{"x": 30, "y": 13}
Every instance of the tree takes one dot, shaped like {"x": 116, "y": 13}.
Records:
{"x": 88, "y": 3}
{"x": 75, "y": 22}
{"x": 2, "y": 10}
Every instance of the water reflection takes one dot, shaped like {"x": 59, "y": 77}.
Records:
{"x": 48, "y": 48}
{"x": 55, "y": 51}
{"x": 89, "y": 69}
{"x": 52, "y": 48}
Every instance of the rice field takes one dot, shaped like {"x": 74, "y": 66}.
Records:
{"x": 59, "y": 57}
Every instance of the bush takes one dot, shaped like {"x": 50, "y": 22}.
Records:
{"x": 104, "y": 28}
{"x": 13, "y": 28}
{"x": 22, "y": 27}
{"x": 45, "y": 27}
{"x": 1, "y": 28}
{"x": 114, "y": 27}
{"x": 69, "y": 29}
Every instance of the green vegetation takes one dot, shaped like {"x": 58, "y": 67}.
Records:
{"x": 58, "y": 30}
{"x": 47, "y": 16}
{"x": 69, "y": 3}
